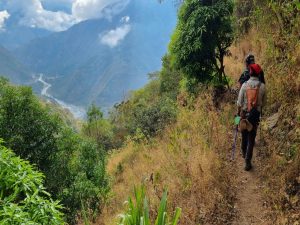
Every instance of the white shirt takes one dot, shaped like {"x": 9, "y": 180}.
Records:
{"x": 262, "y": 97}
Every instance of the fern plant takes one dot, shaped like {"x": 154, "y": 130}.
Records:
{"x": 137, "y": 212}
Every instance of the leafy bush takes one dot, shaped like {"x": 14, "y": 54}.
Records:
{"x": 151, "y": 119}
{"x": 149, "y": 109}
{"x": 26, "y": 126}
{"x": 74, "y": 166}
{"x": 99, "y": 128}
{"x": 169, "y": 79}
{"x": 23, "y": 199}
{"x": 80, "y": 175}
{"x": 138, "y": 211}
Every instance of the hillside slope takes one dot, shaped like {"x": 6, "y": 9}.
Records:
{"x": 11, "y": 68}
{"x": 192, "y": 157}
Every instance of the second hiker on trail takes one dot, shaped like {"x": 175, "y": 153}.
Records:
{"x": 250, "y": 60}
{"x": 252, "y": 97}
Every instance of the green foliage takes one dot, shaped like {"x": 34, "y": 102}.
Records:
{"x": 80, "y": 175}
{"x": 169, "y": 79}
{"x": 23, "y": 199}
{"x": 201, "y": 39}
{"x": 94, "y": 113}
{"x": 146, "y": 112}
{"x": 138, "y": 211}
{"x": 74, "y": 166}
{"x": 152, "y": 119}
{"x": 99, "y": 129}
{"x": 25, "y": 126}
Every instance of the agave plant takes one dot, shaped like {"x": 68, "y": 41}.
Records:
{"x": 137, "y": 212}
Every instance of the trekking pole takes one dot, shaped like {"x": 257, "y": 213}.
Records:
{"x": 236, "y": 122}
{"x": 260, "y": 129}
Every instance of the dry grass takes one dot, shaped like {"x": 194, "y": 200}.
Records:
{"x": 190, "y": 156}
{"x": 280, "y": 156}
{"x": 187, "y": 160}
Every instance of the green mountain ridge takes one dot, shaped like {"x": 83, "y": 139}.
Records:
{"x": 12, "y": 68}
{"x": 90, "y": 71}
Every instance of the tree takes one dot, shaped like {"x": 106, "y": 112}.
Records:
{"x": 202, "y": 37}
{"x": 94, "y": 113}
{"x": 99, "y": 128}
{"x": 26, "y": 126}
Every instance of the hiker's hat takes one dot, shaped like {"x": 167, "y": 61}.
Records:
{"x": 250, "y": 59}
{"x": 245, "y": 125}
{"x": 255, "y": 69}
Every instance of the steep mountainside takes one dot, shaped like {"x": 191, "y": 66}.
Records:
{"x": 12, "y": 68}
{"x": 90, "y": 71}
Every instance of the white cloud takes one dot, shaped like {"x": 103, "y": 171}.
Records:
{"x": 125, "y": 19}
{"x": 87, "y": 9}
{"x": 113, "y": 37}
{"x": 33, "y": 14}
{"x": 4, "y": 15}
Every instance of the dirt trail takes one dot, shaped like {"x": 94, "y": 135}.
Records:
{"x": 249, "y": 206}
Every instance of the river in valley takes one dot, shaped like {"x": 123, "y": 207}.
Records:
{"x": 77, "y": 111}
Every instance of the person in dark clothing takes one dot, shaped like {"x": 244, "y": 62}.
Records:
{"x": 245, "y": 76}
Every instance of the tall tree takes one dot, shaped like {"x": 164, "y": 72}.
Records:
{"x": 202, "y": 37}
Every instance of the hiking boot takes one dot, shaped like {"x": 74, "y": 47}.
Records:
{"x": 248, "y": 165}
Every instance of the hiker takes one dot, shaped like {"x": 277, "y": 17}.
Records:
{"x": 246, "y": 74}
{"x": 251, "y": 99}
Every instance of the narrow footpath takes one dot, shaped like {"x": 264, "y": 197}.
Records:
{"x": 249, "y": 207}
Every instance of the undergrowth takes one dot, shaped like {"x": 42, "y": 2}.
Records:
{"x": 274, "y": 39}
{"x": 190, "y": 159}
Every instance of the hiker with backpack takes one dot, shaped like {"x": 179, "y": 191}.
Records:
{"x": 251, "y": 99}
{"x": 246, "y": 74}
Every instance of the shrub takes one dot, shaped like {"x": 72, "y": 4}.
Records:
{"x": 23, "y": 199}
{"x": 74, "y": 166}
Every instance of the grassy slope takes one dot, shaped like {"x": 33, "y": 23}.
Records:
{"x": 187, "y": 159}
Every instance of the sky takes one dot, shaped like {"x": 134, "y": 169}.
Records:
{"x": 59, "y": 15}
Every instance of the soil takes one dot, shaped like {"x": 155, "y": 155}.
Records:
{"x": 250, "y": 206}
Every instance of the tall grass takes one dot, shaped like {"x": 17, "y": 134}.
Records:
{"x": 137, "y": 212}
{"x": 186, "y": 159}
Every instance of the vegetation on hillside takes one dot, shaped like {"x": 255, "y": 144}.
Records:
{"x": 138, "y": 212}
{"x": 23, "y": 199}
{"x": 74, "y": 166}
{"x": 169, "y": 134}
{"x": 271, "y": 29}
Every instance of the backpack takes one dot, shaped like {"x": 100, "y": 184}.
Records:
{"x": 252, "y": 93}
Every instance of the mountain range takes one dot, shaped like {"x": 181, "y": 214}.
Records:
{"x": 14, "y": 69}
{"x": 88, "y": 63}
